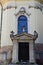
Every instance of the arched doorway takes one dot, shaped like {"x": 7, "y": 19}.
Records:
{"x": 22, "y": 24}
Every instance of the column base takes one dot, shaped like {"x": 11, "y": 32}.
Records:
{"x": 14, "y": 61}
{"x": 32, "y": 62}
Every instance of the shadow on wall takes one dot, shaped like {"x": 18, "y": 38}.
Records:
{"x": 39, "y": 62}
{"x": 40, "y": 59}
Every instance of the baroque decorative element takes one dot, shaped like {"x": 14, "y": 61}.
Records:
{"x": 10, "y": 7}
{"x": 35, "y": 34}
{"x": 37, "y": 7}
{"x": 12, "y": 34}
{"x": 22, "y": 11}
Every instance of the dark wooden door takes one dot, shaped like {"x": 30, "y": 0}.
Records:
{"x": 23, "y": 52}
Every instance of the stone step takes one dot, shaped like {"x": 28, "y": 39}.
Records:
{"x": 22, "y": 64}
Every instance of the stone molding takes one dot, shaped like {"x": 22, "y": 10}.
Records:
{"x": 5, "y": 1}
{"x": 9, "y": 7}
{"x": 22, "y": 11}
{"x": 23, "y": 36}
{"x": 31, "y": 4}
{"x": 35, "y": 5}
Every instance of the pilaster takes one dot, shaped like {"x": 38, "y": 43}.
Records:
{"x": 15, "y": 52}
{"x": 31, "y": 52}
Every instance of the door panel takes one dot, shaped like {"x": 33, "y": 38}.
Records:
{"x": 23, "y": 52}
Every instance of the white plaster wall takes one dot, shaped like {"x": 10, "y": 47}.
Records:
{"x": 8, "y": 24}
{"x": 35, "y": 22}
{"x": 31, "y": 21}
{"x": 39, "y": 25}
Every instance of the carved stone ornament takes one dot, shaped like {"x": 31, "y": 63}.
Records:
{"x": 9, "y": 7}
{"x": 22, "y": 11}
{"x": 23, "y": 36}
{"x": 36, "y": 7}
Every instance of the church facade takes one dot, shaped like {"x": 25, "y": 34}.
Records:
{"x": 21, "y": 29}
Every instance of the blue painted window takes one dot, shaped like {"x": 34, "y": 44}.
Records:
{"x": 22, "y": 24}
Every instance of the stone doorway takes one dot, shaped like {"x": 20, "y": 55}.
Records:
{"x": 23, "y": 48}
{"x": 23, "y": 52}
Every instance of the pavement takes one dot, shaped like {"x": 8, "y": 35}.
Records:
{"x": 22, "y": 64}
{"x": 17, "y": 64}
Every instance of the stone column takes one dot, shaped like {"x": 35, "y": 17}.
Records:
{"x": 31, "y": 52}
{"x": 15, "y": 52}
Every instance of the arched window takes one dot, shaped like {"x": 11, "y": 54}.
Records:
{"x": 22, "y": 24}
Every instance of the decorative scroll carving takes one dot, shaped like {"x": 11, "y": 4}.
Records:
{"x": 37, "y": 7}
{"x": 10, "y": 7}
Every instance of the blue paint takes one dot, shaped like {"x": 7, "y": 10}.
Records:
{"x": 22, "y": 24}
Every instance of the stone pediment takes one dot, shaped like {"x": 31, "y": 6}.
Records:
{"x": 24, "y": 36}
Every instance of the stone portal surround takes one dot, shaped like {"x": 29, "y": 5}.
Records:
{"x": 15, "y": 51}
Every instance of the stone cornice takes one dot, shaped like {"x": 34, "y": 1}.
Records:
{"x": 34, "y": 4}
{"x": 24, "y": 36}
{"x": 31, "y": 4}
